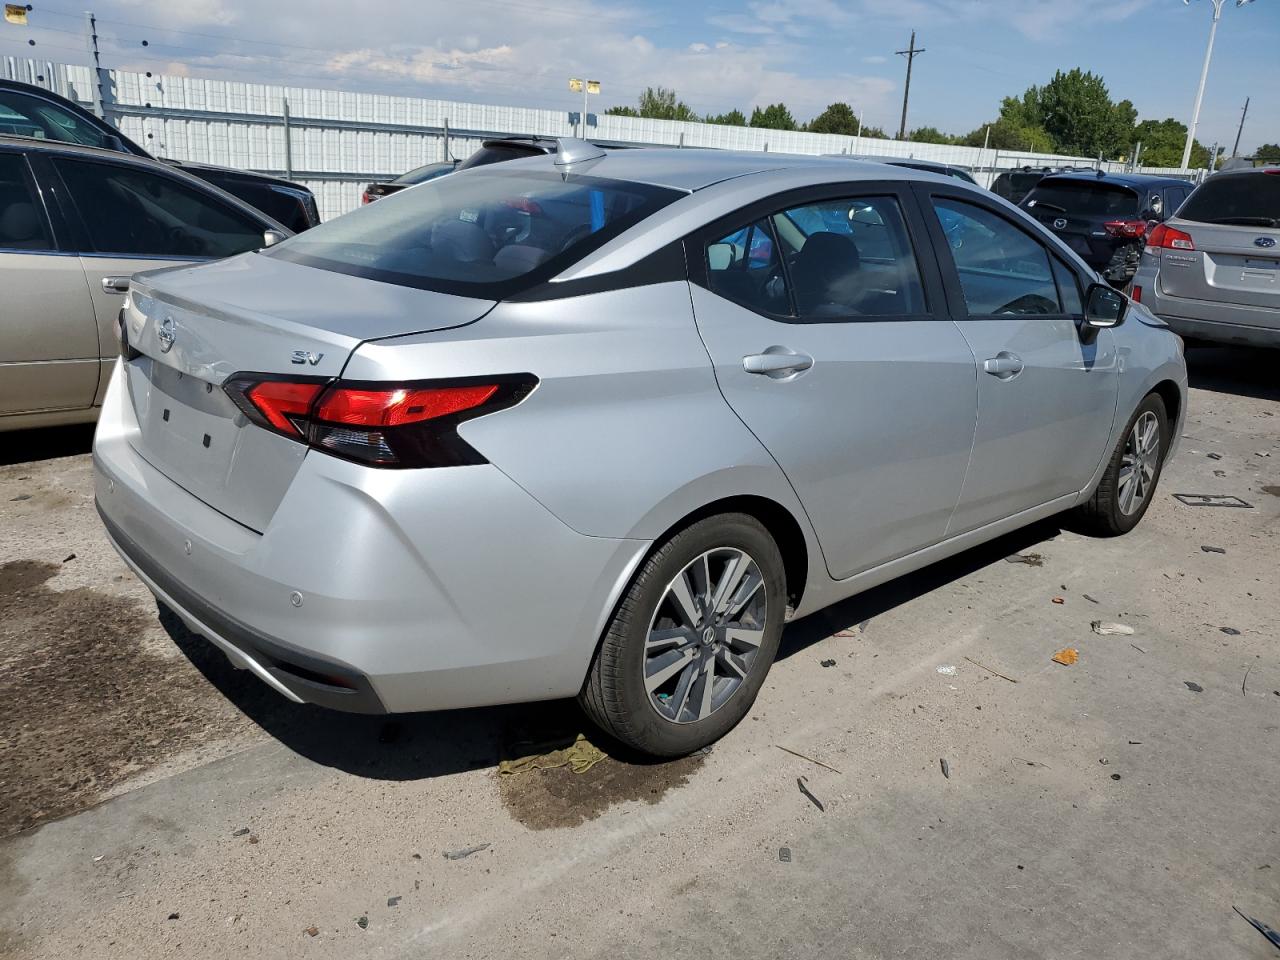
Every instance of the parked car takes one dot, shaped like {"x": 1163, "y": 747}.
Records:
{"x": 1212, "y": 272}
{"x": 75, "y": 223}
{"x": 929, "y": 166}
{"x": 1014, "y": 185}
{"x": 31, "y": 111}
{"x": 1104, "y": 216}
{"x": 446, "y": 465}
{"x": 376, "y": 191}
{"x": 502, "y": 149}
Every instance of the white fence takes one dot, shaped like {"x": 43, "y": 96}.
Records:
{"x": 335, "y": 141}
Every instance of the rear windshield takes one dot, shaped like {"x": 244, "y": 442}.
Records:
{"x": 1248, "y": 199}
{"x": 1083, "y": 198}
{"x": 487, "y": 233}
{"x": 499, "y": 153}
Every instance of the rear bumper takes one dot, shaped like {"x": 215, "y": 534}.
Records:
{"x": 372, "y": 590}
{"x": 1207, "y": 320}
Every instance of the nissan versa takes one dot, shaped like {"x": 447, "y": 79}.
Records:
{"x": 596, "y": 425}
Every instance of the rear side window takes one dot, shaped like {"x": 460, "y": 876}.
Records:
{"x": 131, "y": 211}
{"x": 490, "y": 234}
{"x": 1002, "y": 270}
{"x": 22, "y": 223}
{"x": 34, "y": 117}
{"x": 1083, "y": 198}
{"x": 1249, "y": 199}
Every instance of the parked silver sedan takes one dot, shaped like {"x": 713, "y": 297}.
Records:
{"x": 1212, "y": 272}
{"x": 596, "y": 425}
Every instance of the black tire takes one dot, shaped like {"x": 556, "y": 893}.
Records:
{"x": 615, "y": 697}
{"x": 1102, "y": 514}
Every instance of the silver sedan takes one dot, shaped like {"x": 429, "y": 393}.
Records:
{"x": 596, "y": 424}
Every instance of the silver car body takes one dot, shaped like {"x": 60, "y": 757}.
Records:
{"x": 491, "y": 583}
{"x": 62, "y": 298}
{"x": 1226, "y": 288}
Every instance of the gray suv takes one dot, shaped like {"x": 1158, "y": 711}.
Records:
{"x": 1212, "y": 272}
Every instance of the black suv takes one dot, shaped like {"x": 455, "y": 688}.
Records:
{"x": 1104, "y": 216}
{"x": 30, "y": 111}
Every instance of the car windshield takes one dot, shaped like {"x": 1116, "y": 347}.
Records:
{"x": 486, "y": 233}
{"x": 499, "y": 153}
{"x": 1084, "y": 198}
{"x": 1250, "y": 199}
{"x": 424, "y": 173}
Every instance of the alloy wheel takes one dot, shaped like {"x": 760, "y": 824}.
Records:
{"x": 1138, "y": 464}
{"x": 705, "y": 635}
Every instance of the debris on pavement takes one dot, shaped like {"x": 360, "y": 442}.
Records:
{"x": 1230, "y": 631}
{"x": 1211, "y": 500}
{"x": 173, "y": 916}
{"x": 68, "y": 558}
{"x": 312, "y": 931}
{"x": 1066, "y": 656}
{"x": 1030, "y": 559}
{"x": 1089, "y": 598}
{"x": 1193, "y": 686}
{"x": 394, "y": 901}
{"x": 1115, "y": 776}
{"x": 946, "y": 768}
{"x": 947, "y": 670}
{"x": 1219, "y": 473}
{"x": 1030, "y": 763}
{"x": 989, "y": 670}
{"x": 797, "y": 753}
{"x": 580, "y": 756}
{"x": 20, "y": 497}
{"x": 1272, "y": 935}
{"x": 1059, "y": 600}
{"x": 1103, "y": 629}
{"x": 1209, "y": 549}
{"x": 1244, "y": 680}
{"x": 362, "y": 922}
{"x": 827, "y": 663}
{"x": 784, "y": 854}
{"x": 465, "y": 852}
{"x": 253, "y": 838}
{"x": 1213, "y": 455}
{"x": 242, "y": 832}
{"x": 800, "y": 782}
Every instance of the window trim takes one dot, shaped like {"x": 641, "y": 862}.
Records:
{"x": 81, "y": 242}
{"x": 126, "y": 146}
{"x": 42, "y": 209}
{"x": 927, "y": 193}
{"x": 931, "y": 283}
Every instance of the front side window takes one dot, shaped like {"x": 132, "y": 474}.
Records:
{"x": 133, "y": 212}
{"x": 1068, "y": 288}
{"x": 34, "y": 117}
{"x": 22, "y": 223}
{"x": 489, "y": 233}
{"x": 745, "y": 266}
{"x": 850, "y": 258}
{"x": 1002, "y": 270}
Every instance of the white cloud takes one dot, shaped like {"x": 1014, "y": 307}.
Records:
{"x": 699, "y": 47}
{"x": 874, "y": 59}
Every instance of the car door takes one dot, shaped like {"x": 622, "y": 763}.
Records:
{"x": 1047, "y": 383}
{"x": 129, "y": 216}
{"x": 824, "y": 316}
{"x": 48, "y": 337}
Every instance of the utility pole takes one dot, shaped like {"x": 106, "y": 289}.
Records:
{"x": 95, "y": 64}
{"x": 910, "y": 53}
{"x": 1204, "y": 75}
{"x": 1240, "y": 129}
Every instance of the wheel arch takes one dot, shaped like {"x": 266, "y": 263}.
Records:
{"x": 1171, "y": 395}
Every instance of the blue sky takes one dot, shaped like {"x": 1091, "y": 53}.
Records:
{"x": 717, "y": 55}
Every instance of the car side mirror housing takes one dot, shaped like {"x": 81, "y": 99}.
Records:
{"x": 1105, "y": 306}
{"x": 271, "y": 237}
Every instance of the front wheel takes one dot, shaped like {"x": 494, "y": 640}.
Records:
{"x": 1129, "y": 483}
{"x": 689, "y": 645}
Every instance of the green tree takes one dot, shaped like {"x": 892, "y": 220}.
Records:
{"x": 734, "y": 118}
{"x": 1007, "y": 134}
{"x": 1077, "y": 112}
{"x": 874, "y": 133}
{"x": 837, "y": 118}
{"x": 656, "y": 103}
{"x": 774, "y": 117}
{"x": 1268, "y": 151}
{"x": 1163, "y": 142}
{"x": 930, "y": 135}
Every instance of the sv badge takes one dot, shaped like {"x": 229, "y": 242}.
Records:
{"x": 306, "y": 357}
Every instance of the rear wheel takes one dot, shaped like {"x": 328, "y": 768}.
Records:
{"x": 689, "y": 645}
{"x": 1129, "y": 483}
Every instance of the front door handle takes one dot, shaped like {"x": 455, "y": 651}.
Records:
{"x": 1004, "y": 365}
{"x": 115, "y": 284}
{"x": 777, "y": 362}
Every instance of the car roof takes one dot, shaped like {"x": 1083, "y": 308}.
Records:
{"x": 690, "y": 169}
{"x": 62, "y": 146}
{"x": 1123, "y": 179}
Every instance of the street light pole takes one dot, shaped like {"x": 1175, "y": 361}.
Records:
{"x": 1204, "y": 75}
{"x": 586, "y": 86}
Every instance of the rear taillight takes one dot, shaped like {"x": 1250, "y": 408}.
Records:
{"x": 381, "y": 424}
{"x": 1165, "y": 237}
{"x": 1136, "y": 295}
{"x": 364, "y": 197}
{"x": 1128, "y": 229}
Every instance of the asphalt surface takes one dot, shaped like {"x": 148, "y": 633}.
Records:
{"x": 156, "y": 803}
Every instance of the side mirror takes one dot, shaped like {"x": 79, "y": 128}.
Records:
{"x": 1105, "y": 306}
{"x": 271, "y": 237}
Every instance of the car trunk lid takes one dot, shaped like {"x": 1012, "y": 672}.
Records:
{"x": 1078, "y": 211}
{"x": 1235, "y": 264}
{"x": 190, "y": 329}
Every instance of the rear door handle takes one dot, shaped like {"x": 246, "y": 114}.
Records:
{"x": 777, "y": 363}
{"x": 115, "y": 284}
{"x": 1003, "y": 365}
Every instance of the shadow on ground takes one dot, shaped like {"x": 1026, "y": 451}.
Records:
{"x": 1241, "y": 371}
{"x": 48, "y": 443}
